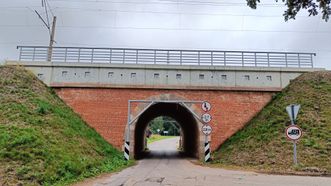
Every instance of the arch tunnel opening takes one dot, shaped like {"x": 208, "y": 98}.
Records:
{"x": 185, "y": 119}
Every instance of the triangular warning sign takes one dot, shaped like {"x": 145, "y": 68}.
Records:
{"x": 293, "y": 111}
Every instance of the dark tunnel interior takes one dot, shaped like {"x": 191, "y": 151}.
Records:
{"x": 179, "y": 113}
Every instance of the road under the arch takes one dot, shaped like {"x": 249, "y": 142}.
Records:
{"x": 165, "y": 167}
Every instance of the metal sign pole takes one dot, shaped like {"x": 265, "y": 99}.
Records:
{"x": 294, "y": 142}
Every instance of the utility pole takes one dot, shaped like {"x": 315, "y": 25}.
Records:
{"x": 51, "y": 40}
{"x": 51, "y": 29}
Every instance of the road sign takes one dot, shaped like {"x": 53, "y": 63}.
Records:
{"x": 206, "y": 129}
{"x": 206, "y": 118}
{"x": 293, "y": 132}
{"x": 292, "y": 111}
{"x": 206, "y": 106}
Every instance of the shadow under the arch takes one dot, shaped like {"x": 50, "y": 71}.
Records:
{"x": 155, "y": 154}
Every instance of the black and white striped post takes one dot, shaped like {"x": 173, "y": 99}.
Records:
{"x": 127, "y": 135}
{"x": 207, "y": 151}
{"x": 127, "y": 150}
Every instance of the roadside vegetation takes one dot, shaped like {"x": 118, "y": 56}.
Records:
{"x": 42, "y": 141}
{"x": 262, "y": 144}
{"x": 157, "y": 137}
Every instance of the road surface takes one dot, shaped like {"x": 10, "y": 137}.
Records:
{"x": 165, "y": 167}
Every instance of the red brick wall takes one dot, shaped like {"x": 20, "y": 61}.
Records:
{"x": 106, "y": 109}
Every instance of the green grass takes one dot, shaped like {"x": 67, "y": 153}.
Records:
{"x": 262, "y": 144}
{"x": 42, "y": 141}
{"x": 156, "y": 137}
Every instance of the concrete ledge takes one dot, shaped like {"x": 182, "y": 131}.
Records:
{"x": 207, "y": 88}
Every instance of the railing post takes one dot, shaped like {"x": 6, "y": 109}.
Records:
{"x": 123, "y": 57}
{"x": 224, "y": 58}
{"x": 212, "y": 58}
{"x": 168, "y": 57}
{"x": 299, "y": 60}
{"x": 286, "y": 60}
{"x": 255, "y": 62}
{"x": 20, "y": 57}
{"x": 34, "y": 53}
{"x": 181, "y": 57}
{"x": 92, "y": 60}
{"x": 136, "y": 56}
{"x": 268, "y": 58}
{"x": 78, "y": 54}
{"x": 311, "y": 60}
{"x": 242, "y": 59}
{"x": 65, "y": 55}
{"x": 154, "y": 57}
{"x": 199, "y": 58}
{"x": 110, "y": 54}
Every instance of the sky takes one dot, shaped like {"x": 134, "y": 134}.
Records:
{"x": 164, "y": 24}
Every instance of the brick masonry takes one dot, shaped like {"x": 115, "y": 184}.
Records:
{"x": 106, "y": 109}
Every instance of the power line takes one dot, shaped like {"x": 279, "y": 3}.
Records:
{"x": 172, "y": 3}
{"x": 69, "y": 9}
{"x": 175, "y": 29}
{"x": 49, "y": 7}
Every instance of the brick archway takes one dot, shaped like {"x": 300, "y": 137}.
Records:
{"x": 190, "y": 127}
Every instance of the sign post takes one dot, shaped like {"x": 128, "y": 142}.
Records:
{"x": 293, "y": 132}
{"x": 206, "y": 128}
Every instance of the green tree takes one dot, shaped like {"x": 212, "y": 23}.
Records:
{"x": 294, "y": 6}
{"x": 164, "y": 123}
{"x": 156, "y": 124}
{"x": 171, "y": 126}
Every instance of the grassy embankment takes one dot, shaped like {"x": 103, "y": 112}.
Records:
{"x": 42, "y": 141}
{"x": 262, "y": 144}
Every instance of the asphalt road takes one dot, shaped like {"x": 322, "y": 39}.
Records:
{"x": 165, "y": 167}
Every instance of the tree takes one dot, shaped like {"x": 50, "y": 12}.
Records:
{"x": 164, "y": 123}
{"x": 156, "y": 124}
{"x": 294, "y": 6}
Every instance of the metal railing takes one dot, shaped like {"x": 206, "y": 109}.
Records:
{"x": 167, "y": 57}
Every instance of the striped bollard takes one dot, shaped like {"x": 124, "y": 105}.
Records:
{"x": 127, "y": 150}
{"x": 207, "y": 152}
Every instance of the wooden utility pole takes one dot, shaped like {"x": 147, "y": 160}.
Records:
{"x": 51, "y": 40}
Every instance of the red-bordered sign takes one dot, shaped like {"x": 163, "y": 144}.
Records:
{"x": 206, "y": 106}
{"x": 293, "y": 132}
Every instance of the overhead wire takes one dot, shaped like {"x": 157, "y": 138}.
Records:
{"x": 171, "y": 2}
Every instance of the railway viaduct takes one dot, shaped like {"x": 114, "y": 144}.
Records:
{"x": 119, "y": 91}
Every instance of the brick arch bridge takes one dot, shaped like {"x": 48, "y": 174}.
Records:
{"x": 97, "y": 83}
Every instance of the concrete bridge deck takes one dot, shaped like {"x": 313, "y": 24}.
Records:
{"x": 163, "y": 76}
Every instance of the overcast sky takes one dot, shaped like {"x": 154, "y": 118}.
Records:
{"x": 170, "y": 24}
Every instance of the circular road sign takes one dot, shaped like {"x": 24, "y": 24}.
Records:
{"x": 206, "y": 106}
{"x": 206, "y": 129}
{"x": 206, "y": 118}
{"x": 293, "y": 132}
